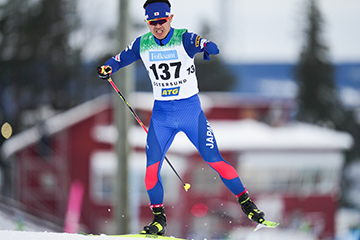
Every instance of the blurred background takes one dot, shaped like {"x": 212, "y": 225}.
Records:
{"x": 283, "y": 98}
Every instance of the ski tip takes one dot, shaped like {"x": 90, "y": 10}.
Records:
{"x": 267, "y": 224}
{"x": 258, "y": 227}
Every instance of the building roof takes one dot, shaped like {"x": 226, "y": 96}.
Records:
{"x": 230, "y": 135}
{"x": 253, "y": 135}
{"x": 54, "y": 124}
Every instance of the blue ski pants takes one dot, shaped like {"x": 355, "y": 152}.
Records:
{"x": 169, "y": 118}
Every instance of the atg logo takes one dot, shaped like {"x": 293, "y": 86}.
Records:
{"x": 163, "y": 55}
{"x": 169, "y": 92}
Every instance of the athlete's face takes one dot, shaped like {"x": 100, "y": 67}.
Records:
{"x": 160, "y": 28}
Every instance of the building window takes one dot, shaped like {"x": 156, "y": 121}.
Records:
{"x": 103, "y": 167}
{"x": 206, "y": 181}
{"x": 291, "y": 172}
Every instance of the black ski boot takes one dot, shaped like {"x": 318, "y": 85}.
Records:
{"x": 250, "y": 209}
{"x": 158, "y": 225}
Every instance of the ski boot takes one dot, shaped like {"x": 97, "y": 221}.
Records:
{"x": 158, "y": 225}
{"x": 250, "y": 209}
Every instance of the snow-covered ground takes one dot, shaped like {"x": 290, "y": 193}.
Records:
{"x": 265, "y": 234}
{"x": 19, "y": 235}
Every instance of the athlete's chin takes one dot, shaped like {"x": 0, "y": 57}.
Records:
{"x": 160, "y": 35}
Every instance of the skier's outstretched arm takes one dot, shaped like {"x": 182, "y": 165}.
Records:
{"x": 193, "y": 44}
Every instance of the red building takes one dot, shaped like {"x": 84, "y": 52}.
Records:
{"x": 292, "y": 171}
{"x": 46, "y": 159}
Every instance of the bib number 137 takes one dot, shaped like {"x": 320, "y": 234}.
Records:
{"x": 163, "y": 70}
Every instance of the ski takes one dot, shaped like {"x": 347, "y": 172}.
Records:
{"x": 135, "y": 236}
{"x": 147, "y": 236}
{"x": 266, "y": 223}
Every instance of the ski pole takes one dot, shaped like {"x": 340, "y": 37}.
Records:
{"x": 186, "y": 185}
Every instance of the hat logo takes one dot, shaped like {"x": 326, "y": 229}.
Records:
{"x": 156, "y": 13}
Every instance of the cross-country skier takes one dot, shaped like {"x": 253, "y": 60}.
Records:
{"x": 168, "y": 55}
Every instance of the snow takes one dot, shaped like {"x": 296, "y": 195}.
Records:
{"x": 21, "y": 235}
{"x": 231, "y": 135}
{"x": 251, "y": 135}
{"x": 13, "y": 218}
{"x": 271, "y": 234}
{"x": 17, "y": 235}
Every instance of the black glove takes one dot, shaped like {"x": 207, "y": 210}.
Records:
{"x": 104, "y": 72}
